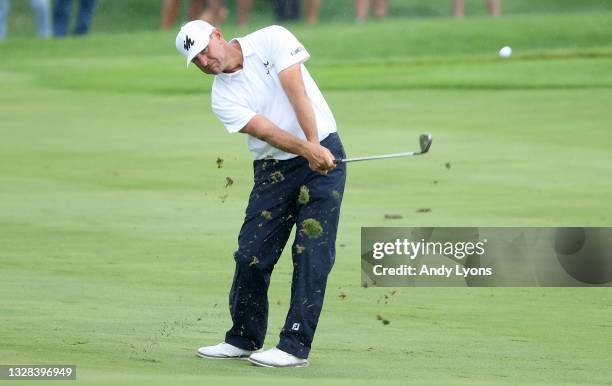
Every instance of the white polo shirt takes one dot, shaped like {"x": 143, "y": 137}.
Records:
{"x": 256, "y": 89}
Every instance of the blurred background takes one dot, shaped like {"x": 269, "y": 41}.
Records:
{"x": 144, "y": 15}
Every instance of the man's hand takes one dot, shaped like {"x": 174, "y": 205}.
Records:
{"x": 319, "y": 158}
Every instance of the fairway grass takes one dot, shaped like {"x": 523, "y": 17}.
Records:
{"x": 117, "y": 230}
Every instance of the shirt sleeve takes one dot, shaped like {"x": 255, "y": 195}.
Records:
{"x": 285, "y": 49}
{"x": 232, "y": 113}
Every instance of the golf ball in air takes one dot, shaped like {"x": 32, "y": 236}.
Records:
{"x": 505, "y": 52}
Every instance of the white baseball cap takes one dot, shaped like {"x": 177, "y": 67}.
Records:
{"x": 193, "y": 38}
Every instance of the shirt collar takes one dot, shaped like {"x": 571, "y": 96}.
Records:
{"x": 247, "y": 50}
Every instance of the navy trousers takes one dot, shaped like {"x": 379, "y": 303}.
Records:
{"x": 61, "y": 17}
{"x": 286, "y": 193}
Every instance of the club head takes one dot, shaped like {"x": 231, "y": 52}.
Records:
{"x": 425, "y": 142}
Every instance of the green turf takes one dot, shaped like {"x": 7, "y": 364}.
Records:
{"x": 117, "y": 232}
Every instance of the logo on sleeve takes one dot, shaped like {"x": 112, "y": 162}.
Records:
{"x": 188, "y": 43}
{"x": 297, "y": 51}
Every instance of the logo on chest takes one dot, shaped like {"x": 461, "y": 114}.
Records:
{"x": 268, "y": 66}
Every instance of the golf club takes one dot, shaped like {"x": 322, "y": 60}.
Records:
{"x": 424, "y": 142}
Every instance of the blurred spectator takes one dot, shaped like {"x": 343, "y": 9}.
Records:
{"x": 170, "y": 9}
{"x": 42, "y": 9}
{"x": 214, "y": 12}
{"x": 244, "y": 11}
{"x": 312, "y": 8}
{"x": 61, "y": 17}
{"x": 494, "y": 7}
{"x": 287, "y": 10}
{"x": 362, "y": 9}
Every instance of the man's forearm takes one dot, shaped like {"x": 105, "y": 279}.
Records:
{"x": 265, "y": 130}
{"x": 307, "y": 119}
{"x": 285, "y": 141}
{"x": 319, "y": 158}
{"x": 293, "y": 84}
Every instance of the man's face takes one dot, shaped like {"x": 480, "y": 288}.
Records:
{"x": 211, "y": 60}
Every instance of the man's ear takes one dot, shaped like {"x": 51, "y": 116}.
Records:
{"x": 217, "y": 33}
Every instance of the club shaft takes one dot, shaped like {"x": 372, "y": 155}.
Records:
{"x": 355, "y": 159}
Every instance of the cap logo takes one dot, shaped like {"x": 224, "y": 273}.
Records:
{"x": 188, "y": 43}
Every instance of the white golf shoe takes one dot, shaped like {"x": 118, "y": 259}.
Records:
{"x": 224, "y": 351}
{"x": 277, "y": 358}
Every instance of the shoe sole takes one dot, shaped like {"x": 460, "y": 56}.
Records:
{"x": 243, "y": 357}
{"x": 261, "y": 364}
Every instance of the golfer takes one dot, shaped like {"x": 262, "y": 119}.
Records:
{"x": 262, "y": 89}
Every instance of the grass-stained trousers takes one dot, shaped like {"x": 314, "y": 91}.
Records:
{"x": 286, "y": 193}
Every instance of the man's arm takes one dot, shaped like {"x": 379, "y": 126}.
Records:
{"x": 319, "y": 157}
{"x": 293, "y": 84}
